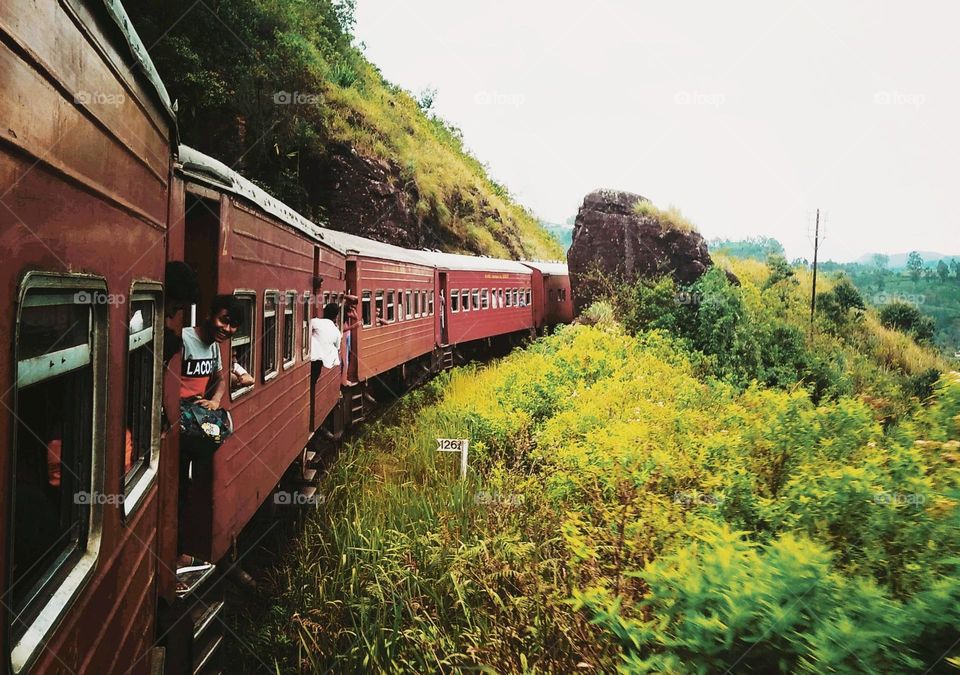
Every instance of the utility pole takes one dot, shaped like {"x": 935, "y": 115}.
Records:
{"x": 813, "y": 295}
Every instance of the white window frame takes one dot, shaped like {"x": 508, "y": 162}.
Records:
{"x": 64, "y": 287}
{"x": 133, "y": 494}
{"x": 251, "y": 295}
{"x": 306, "y": 304}
{"x": 289, "y": 307}
{"x": 277, "y": 333}
{"x": 390, "y": 311}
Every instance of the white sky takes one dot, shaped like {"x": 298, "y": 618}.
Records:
{"x": 746, "y": 115}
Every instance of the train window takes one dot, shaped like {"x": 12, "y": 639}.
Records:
{"x": 142, "y": 431}
{"x": 528, "y": 297}
{"x": 485, "y": 299}
{"x": 381, "y": 310}
{"x": 431, "y": 303}
{"x": 241, "y": 344}
{"x": 269, "y": 342}
{"x": 391, "y": 309}
{"x": 416, "y": 304}
{"x": 475, "y": 299}
{"x": 454, "y": 301}
{"x": 326, "y": 298}
{"x": 409, "y": 305}
{"x": 500, "y": 293}
{"x": 305, "y": 306}
{"x": 516, "y": 297}
{"x": 57, "y": 497}
{"x": 465, "y": 300}
{"x": 289, "y": 307}
{"x": 509, "y": 297}
{"x": 366, "y": 314}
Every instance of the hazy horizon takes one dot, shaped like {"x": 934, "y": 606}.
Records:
{"x": 747, "y": 116}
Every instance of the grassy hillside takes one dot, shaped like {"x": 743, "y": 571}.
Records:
{"x": 670, "y": 498}
{"x": 269, "y": 86}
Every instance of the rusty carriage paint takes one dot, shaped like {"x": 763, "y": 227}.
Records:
{"x": 85, "y": 161}
{"x": 243, "y": 242}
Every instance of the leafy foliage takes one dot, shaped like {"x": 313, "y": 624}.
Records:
{"x": 625, "y": 512}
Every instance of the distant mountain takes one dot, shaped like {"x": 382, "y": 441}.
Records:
{"x": 563, "y": 233}
{"x": 899, "y": 260}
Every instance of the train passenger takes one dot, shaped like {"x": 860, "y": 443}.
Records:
{"x": 351, "y": 320}
{"x": 239, "y": 377}
{"x": 182, "y": 290}
{"x": 202, "y": 380}
{"x": 325, "y": 340}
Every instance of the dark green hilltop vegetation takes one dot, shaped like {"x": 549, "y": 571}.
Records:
{"x": 277, "y": 90}
{"x": 685, "y": 482}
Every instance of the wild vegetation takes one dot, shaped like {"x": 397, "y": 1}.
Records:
{"x": 669, "y": 218}
{"x": 283, "y": 82}
{"x": 687, "y": 483}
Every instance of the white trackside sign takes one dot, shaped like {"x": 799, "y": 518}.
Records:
{"x": 460, "y": 445}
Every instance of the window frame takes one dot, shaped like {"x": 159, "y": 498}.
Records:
{"x": 464, "y": 299}
{"x": 455, "y": 304}
{"x": 390, "y": 313}
{"x": 265, "y": 375}
{"x": 475, "y": 299}
{"x": 416, "y": 304}
{"x": 71, "y": 572}
{"x": 135, "y": 487}
{"x": 484, "y": 298}
{"x": 366, "y": 309}
{"x": 430, "y": 300}
{"x": 251, "y": 295}
{"x": 379, "y": 302}
{"x": 289, "y": 307}
{"x": 305, "y": 307}
{"x": 409, "y": 304}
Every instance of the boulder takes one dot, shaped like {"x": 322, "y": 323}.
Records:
{"x": 614, "y": 244}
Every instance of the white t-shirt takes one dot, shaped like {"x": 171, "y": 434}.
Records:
{"x": 325, "y": 342}
{"x": 200, "y": 362}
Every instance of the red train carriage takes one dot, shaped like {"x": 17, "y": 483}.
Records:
{"x": 551, "y": 294}
{"x": 396, "y": 289}
{"x": 85, "y": 160}
{"x": 483, "y": 297}
{"x": 241, "y": 241}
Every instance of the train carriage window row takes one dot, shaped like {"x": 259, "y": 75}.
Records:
{"x": 380, "y": 307}
{"x": 58, "y": 447}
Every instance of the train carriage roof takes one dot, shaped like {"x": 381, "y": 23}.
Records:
{"x": 118, "y": 14}
{"x": 469, "y": 263}
{"x": 352, "y": 244}
{"x": 551, "y": 268}
{"x": 215, "y": 173}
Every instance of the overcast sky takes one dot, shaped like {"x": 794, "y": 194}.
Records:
{"x": 745, "y": 115}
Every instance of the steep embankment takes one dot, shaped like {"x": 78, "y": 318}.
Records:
{"x": 636, "y": 502}
{"x": 276, "y": 90}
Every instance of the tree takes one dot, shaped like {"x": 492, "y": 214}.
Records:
{"x": 907, "y": 319}
{"x": 955, "y": 266}
{"x": 881, "y": 262}
{"x": 943, "y": 271}
{"x": 915, "y": 265}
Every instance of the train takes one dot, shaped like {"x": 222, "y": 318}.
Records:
{"x": 97, "y": 196}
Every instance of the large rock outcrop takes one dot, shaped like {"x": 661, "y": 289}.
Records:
{"x": 614, "y": 244}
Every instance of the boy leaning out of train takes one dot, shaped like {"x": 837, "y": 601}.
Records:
{"x": 202, "y": 381}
